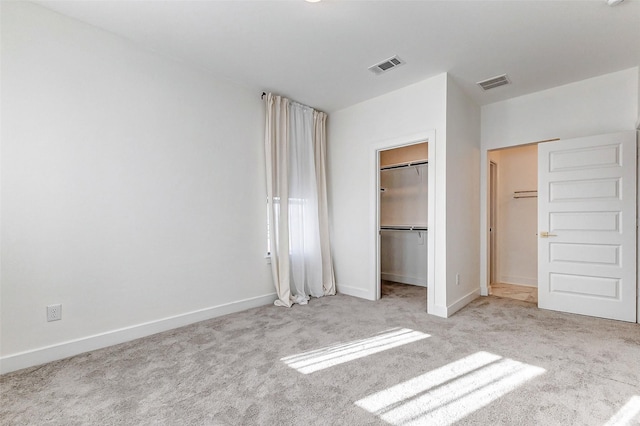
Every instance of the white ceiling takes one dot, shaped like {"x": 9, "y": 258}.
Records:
{"x": 318, "y": 53}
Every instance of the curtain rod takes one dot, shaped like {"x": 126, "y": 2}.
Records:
{"x": 293, "y": 102}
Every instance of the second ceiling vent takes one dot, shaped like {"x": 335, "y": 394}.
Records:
{"x": 386, "y": 65}
{"x": 493, "y": 82}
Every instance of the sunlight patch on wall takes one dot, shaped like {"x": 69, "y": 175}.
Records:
{"x": 627, "y": 414}
{"x": 451, "y": 392}
{"x": 309, "y": 362}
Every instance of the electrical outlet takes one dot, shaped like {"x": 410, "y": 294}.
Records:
{"x": 54, "y": 312}
{"x": 457, "y": 279}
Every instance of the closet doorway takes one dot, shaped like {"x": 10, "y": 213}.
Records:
{"x": 402, "y": 219}
{"x": 577, "y": 259}
{"x": 513, "y": 223}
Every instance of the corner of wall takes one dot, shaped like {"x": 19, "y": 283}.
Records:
{"x": 462, "y": 197}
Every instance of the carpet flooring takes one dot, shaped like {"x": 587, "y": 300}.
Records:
{"x": 345, "y": 361}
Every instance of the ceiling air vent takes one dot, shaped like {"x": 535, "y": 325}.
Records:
{"x": 493, "y": 82}
{"x": 386, "y": 65}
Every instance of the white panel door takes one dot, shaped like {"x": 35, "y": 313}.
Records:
{"x": 587, "y": 226}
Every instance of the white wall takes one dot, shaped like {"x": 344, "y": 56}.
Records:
{"x": 462, "y": 203}
{"x": 356, "y": 133}
{"x": 405, "y": 197}
{"x": 126, "y": 194}
{"x": 599, "y": 105}
{"x": 403, "y": 257}
{"x": 401, "y": 117}
{"x": 405, "y": 154}
{"x": 517, "y": 218}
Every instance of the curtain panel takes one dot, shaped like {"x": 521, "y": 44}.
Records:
{"x": 295, "y": 155}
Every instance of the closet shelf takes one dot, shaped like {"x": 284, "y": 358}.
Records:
{"x": 403, "y": 165}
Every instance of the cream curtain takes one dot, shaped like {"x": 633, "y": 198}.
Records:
{"x": 295, "y": 148}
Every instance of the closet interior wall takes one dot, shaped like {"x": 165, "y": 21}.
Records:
{"x": 403, "y": 214}
{"x": 517, "y": 215}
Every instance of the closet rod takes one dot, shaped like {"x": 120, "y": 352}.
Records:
{"x": 525, "y": 194}
{"x": 409, "y": 164}
{"x": 403, "y": 228}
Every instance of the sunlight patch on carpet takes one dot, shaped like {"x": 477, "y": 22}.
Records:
{"x": 450, "y": 393}
{"x": 309, "y": 362}
{"x": 627, "y": 414}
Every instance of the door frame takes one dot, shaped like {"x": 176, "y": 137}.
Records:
{"x": 485, "y": 178}
{"x": 399, "y": 142}
{"x": 493, "y": 220}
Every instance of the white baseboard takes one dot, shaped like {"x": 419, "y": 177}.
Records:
{"x": 355, "y": 292}
{"x": 437, "y": 310}
{"x": 403, "y": 279}
{"x": 462, "y": 302}
{"x": 521, "y": 284}
{"x": 74, "y": 347}
{"x": 524, "y": 281}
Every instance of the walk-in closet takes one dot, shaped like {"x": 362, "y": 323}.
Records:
{"x": 403, "y": 215}
{"x": 513, "y": 216}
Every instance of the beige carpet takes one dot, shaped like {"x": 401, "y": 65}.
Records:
{"x": 346, "y": 361}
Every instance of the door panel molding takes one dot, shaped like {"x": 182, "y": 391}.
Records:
{"x": 587, "y": 207}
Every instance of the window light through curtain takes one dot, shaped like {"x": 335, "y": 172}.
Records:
{"x": 295, "y": 154}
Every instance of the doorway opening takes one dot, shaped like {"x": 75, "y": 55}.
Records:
{"x": 513, "y": 223}
{"x": 403, "y": 187}
{"x": 585, "y": 263}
